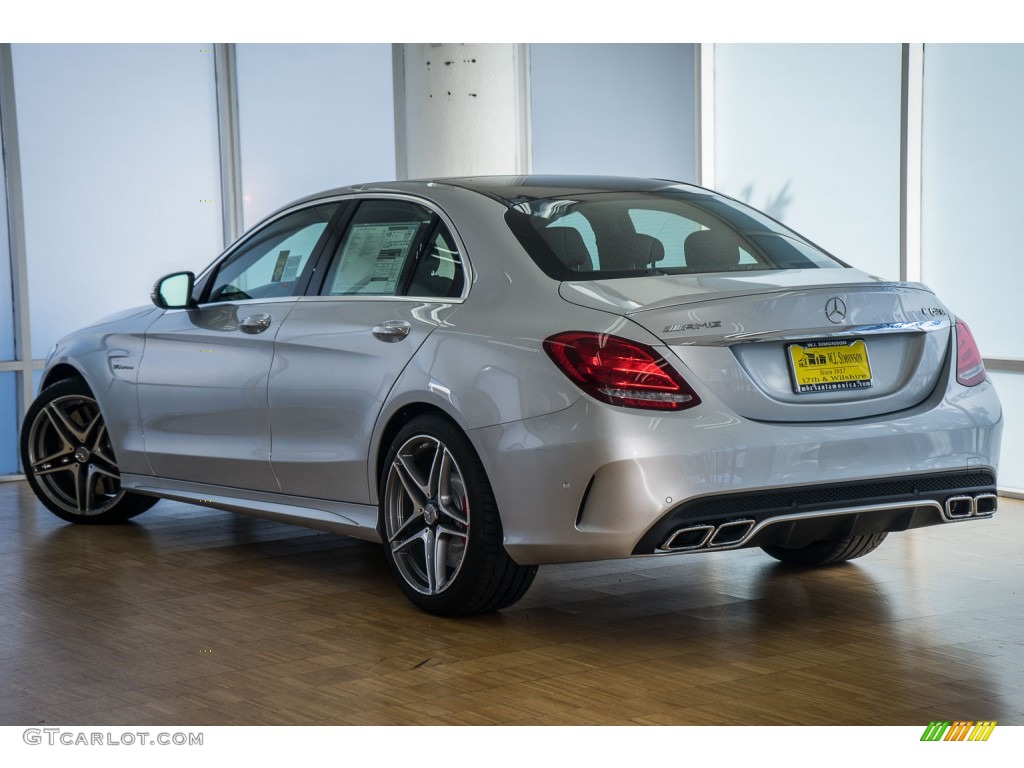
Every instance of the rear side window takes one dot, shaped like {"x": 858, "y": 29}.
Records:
{"x": 395, "y": 248}
{"x": 438, "y": 272}
{"x": 378, "y": 245}
{"x": 611, "y": 234}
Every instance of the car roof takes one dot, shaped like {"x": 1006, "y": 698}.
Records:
{"x": 517, "y": 189}
{"x": 512, "y": 190}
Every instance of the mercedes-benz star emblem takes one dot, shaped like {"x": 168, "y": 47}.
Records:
{"x": 835, "y": 310}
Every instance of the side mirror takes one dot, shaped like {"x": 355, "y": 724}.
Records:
{"x": 174, "y": 291}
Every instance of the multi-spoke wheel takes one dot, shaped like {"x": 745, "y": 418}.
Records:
{"x": 68, "y": 459}
{"x": 440, "y": 525}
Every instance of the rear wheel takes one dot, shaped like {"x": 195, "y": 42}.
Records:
{"x": 828, "y": 552}
{"x": 440, "y": 525}
{"x": 68, "y": 459}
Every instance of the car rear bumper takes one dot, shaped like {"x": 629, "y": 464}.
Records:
{"x": 596, "y": 482}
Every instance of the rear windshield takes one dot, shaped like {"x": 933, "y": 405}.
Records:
{"x": 675, "y": 232}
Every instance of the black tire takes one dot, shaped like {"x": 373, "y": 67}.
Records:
{"x": 435, "y": 498}
{"x": 68, "y": 459}
{"x": 828, "y": 552}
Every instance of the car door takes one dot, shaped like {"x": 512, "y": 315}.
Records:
{"x": 395, "y": 276}
{"x": 202, "y": 383}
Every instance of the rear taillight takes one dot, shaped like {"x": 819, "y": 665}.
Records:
{"x": 619, "y": 371}
{"x": 970, "y": 369}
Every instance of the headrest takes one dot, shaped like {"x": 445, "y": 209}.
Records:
{"x": 568, "y": 245}
{"x": 634, "y": 252}
{"x": 712, "y": 250}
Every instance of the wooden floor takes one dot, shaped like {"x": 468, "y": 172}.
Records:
{"x": 189, "y": 616}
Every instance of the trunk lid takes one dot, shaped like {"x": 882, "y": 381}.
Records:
{"x": 790, "y": 345}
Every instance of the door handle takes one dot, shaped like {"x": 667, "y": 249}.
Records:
{"x": 392, "y": 330}
{"x": 255, "y": 323}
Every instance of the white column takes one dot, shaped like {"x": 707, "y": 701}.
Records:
{"x": 462, "y": 109}
{"x": 911, "y": 126}
{"x": 704, "y": 54}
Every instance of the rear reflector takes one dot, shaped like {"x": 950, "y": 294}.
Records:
{"x": 620, "y": 372}
{"x": 970, "y": 370}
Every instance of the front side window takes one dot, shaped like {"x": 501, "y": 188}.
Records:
{"x": 625, "y": 234}
{"x": 270, "y": 262}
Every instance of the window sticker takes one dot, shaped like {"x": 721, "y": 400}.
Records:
{"x": 373, "y": 258}
{"x": 287, "y": 267}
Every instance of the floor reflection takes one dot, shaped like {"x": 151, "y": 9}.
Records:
{"x": 191, "y": 616}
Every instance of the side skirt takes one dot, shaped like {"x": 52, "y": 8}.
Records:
{"x": 357, "y": 520}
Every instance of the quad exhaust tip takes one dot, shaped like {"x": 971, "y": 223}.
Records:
{"x": 735, "y": 532}
{"x": 963, "y": 507}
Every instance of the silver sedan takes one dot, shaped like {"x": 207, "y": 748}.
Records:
{"x": 488, "y": 374}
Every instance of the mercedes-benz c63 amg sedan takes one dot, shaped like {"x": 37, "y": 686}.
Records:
{"x": 487, "y": 374}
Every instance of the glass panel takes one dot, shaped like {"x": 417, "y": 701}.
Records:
{"x": 373, "y": 256}
{"x": 613, "y": 109}
{"x": 811, "y": 135}
{"x": 270, "y": 263}
{"x": 972, "y": 165}
{"x": 592, "y": 236}
{"x": 6, "y": 287}
{"x": 670, "y": 229}
{"x": 312, "y": 117}
{"x": 439, "y": 272}
{"x": 8, "y": 423}
{"x": 120, "y": 172}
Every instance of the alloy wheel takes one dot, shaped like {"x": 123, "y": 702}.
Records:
{"x": 70, "y": 457}
{"x": 426, "y": 514}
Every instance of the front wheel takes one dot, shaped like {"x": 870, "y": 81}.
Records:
{"x": 440, "y": 525}
{"x": 68, "y": 459}
{"x": 827, "y": 552}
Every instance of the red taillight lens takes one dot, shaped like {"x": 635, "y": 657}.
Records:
{"x": 970, "y": 369}
{"x": 619, "y": 371}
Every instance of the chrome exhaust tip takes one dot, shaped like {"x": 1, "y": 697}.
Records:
{"x": 686, "y": 539}
{"x": 985, "y": 504}
{"x": 959, "y": 507}
{"x": 730, "y": 533}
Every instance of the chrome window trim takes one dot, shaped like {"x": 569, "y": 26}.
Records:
{"x": 383, "y": 297}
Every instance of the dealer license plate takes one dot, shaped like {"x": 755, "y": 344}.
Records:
{"x": 827, "y": 366}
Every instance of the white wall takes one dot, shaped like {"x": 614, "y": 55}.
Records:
{"x": 312, "y": 117}
{"x": 973, "y": 187}
{"x": 811, "y": 134}
{"x": 613, "y": 109}
{"x": 120, "y": 174}
{"x": 973, "y": 208}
